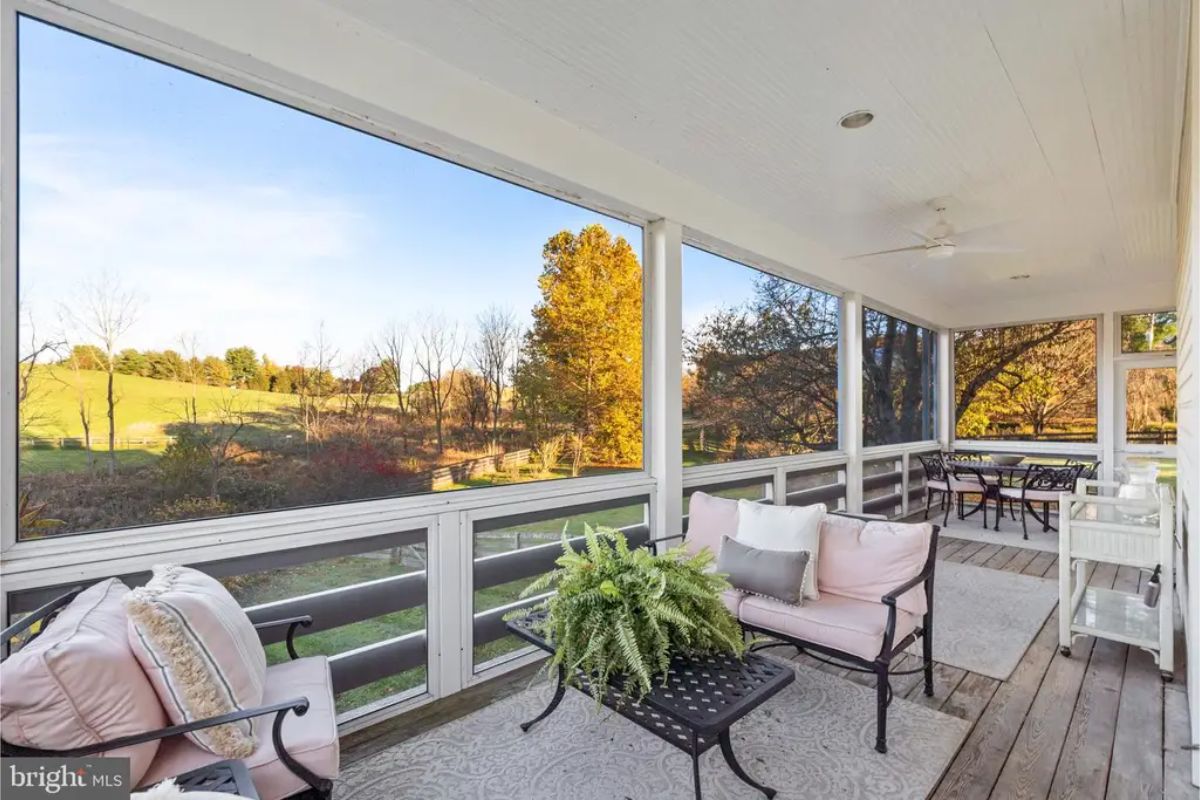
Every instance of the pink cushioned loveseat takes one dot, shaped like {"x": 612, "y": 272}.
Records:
{"x": 875, "y": 581}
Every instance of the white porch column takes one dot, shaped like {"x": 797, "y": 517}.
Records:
{"x": 663, "y": 365}
{"x": 850, "y": 392}
{"x": 1106, "y": 394}
{"x": 945, "y": 388}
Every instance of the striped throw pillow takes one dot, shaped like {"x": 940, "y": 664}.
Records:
{"x": 201, "y": 654}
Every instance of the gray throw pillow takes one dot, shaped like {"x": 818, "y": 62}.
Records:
{"x": 772, "y": 573}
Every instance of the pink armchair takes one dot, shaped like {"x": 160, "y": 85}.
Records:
{"x": 300, "y": 758}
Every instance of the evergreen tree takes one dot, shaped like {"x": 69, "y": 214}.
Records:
{"x": 243, "y": 366}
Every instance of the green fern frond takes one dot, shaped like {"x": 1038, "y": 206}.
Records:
{"x": 619, "y": 614}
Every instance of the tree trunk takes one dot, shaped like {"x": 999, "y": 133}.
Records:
{"x": 87, "y": 437}
{"x": 112, "y": 424}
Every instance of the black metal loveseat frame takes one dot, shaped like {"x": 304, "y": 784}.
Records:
{"x": 881, "y": 665}
{"x": 318, "y": 787}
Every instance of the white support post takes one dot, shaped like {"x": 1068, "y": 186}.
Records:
{"x": 779, "y": 486}
{"x": 663, "y": 365}
{"x": 9, "y": 313}
{"x": 850, "y": 392}
{"x": 449, "y": 610}
{"x": 945, "y": 388}
{"x": 1106, "y": 394}
{"x": 904, "y": 510}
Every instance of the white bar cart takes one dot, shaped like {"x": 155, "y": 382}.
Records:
{"x": 1099, "y": 526}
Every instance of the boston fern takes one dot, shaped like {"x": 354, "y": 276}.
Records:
{"x": 620, "y": 613}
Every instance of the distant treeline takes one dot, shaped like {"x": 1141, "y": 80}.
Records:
{"x": 241, "y": 367}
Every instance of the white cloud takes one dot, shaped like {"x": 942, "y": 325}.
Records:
{"x": 238, "y": 262}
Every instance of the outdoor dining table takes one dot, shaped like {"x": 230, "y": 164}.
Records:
{"x": 1006, "y": 475}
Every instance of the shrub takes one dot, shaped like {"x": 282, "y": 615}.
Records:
{"x": 186, "y": 463}
{"x": 548, "y": 454}
{"x": 190, "y": 508}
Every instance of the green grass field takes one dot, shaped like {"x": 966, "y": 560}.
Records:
{"x": 145, "y": 406}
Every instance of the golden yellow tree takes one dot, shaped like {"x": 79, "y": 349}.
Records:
{"x": 582, "y": 365}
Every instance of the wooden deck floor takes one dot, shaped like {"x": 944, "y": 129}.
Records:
{"x": 1100, "y": 724}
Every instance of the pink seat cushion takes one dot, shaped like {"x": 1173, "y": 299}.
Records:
{"x": 710, "y": 518}
{"x": 732, "y": 598}
{"x": 866, "y": 560}
{"x": 842, "y": 623}
{"x": 1031, "y": 495}
{"x": 312, "y": 739}
{"x": 78, "y": 684}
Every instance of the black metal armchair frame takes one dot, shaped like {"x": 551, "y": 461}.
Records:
{"x": 318, "y": 787}
{"x": 935, "y": 470}
{"x": 1045, "y": 478}
{"x": 881, "y": 665}
{"x": 974, "y": 477}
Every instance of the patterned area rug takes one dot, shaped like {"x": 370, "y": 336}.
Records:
{"x": 985, "y": 619}
{"x": 815, "y": 739}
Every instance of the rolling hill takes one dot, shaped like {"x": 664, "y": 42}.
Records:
{"x": 145, "y": 406}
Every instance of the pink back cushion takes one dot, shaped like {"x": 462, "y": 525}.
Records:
{"x": 710, "y": 518}
{"x": 201, "y": 653}
{"x": 78, "y": 684}
{"x": 866, "y": 560}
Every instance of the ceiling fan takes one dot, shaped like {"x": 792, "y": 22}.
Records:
{"x": 944, "y": 242}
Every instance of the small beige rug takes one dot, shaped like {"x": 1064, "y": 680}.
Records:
{"x": 814, "y": 739}
{"x": 1009, "y": 534}
{"x": 985, "y": 619}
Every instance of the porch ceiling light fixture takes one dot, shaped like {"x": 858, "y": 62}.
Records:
{"x": 1024, "y": 276}
{"x": 856, "y": 119}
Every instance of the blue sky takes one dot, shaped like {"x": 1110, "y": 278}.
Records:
{"x": 245, "y": 222}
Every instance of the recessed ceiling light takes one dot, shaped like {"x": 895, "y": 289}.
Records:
{"x": 856, "y": 119}
{"x": 1022, "y": 277}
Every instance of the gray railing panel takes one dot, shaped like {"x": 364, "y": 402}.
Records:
{"x": 889, "y": 504}
{"x": 561, "y": 512}
{"x": 879, "y": 481}
{"x": 20, "y": 602}
{"x": 734, "y": 483}
{"x": 819, "y": 494}
{"x": 343, "y": 606}
{"x": 530, "y": 561}
{"x": 374, "y": 662}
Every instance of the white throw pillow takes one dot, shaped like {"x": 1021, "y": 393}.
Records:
{"x": 790, "y": 528}
{"x": 201, "y": 653}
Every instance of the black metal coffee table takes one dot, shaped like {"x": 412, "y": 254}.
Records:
{"x": 703, "y": 697}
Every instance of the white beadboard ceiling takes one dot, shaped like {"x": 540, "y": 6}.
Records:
{"x": 1060, "y": 119}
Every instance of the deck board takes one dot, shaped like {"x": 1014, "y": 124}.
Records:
{"x": 1029, "y": 770}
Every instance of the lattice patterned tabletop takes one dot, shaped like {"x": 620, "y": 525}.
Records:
{"x": 702, "y": 694}
{"x": 227, "y": 777}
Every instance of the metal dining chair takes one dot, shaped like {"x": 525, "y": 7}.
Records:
{"x": 1042, "y": 485}
{"x": 963, "y": 481}
{"x": 936, "y": 480}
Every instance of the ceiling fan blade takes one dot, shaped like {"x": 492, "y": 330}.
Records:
{"x": 925, "y": 237}
{"x": 967, "y": 237}
{"x": 987, "y": 248}
{"x": 885, "y": 252}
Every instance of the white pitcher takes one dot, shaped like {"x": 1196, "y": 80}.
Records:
{"x": 1139, "y": 481}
